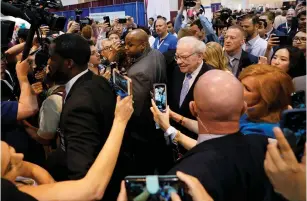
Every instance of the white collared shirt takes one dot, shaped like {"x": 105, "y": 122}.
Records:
{"x": 204, "y": 137}
{"x": 72, "y": 81}
{"x": 194, "y": 75}
{"x": 256, "y": 46}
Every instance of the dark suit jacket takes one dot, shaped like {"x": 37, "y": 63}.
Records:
{"x": 86, "y": 120}
{"x": 230, "y": 167}
{"x": 245, "y": 61}
{"x": 277, "y": 33}
{"x": 174, "y": 90}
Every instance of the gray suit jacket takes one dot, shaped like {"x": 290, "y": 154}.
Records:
{"x": 149, "y": 69}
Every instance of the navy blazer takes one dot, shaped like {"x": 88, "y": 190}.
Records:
{"x": 230, "y": 167}
{"x": 246, "y": 60}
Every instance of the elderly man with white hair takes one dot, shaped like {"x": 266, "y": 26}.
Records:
{"x": 181, "y": 82}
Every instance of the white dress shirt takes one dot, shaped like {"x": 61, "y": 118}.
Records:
{"x": 204, "y": 137}
{"x": 256, "y": 46}
{"x": 194, "y": 75}
{"x": 72, "y": 81}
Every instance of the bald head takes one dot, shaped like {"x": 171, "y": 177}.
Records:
{"x": 138, "y": 35}
{"x": 219, "y": 102}
{"x": 136, "y": 42}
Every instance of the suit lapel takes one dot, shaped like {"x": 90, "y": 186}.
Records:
{"x": 190, "y": 93}
{"x": 243, "y": 62}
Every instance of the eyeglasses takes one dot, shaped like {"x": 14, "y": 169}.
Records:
{"x": 302, "y": 39}
{"x": 176, "y": 57}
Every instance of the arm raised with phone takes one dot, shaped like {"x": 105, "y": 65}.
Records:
{"x": 93, "y": 185}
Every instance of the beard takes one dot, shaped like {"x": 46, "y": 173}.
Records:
{"x": 59, "y": 78}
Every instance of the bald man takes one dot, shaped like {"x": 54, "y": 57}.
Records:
{"x": 228, "y": 164}
{"x": 165, "y": 41}
{"x": 148, "y": 68}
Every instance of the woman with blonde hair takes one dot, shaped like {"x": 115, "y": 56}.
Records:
{"x": 214, "y": 56}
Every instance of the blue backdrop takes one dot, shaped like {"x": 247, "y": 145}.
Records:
{"x": 135, "y": 10}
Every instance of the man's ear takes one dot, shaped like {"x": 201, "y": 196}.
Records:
{"x": 193, "y": 108}
{"x": 69, "y": 63}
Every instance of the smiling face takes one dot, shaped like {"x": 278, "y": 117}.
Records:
{"x": 187, "y": 59}
{"x": 281, "y": 60}
{"x": 299, "y": 41}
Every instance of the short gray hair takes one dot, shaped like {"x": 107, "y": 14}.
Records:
{"x": 197, "y": 45}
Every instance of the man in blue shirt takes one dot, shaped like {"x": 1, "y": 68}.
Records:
{"x": 165, "y": 41}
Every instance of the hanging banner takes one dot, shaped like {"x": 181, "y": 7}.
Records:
{"x": 112, "y": 15}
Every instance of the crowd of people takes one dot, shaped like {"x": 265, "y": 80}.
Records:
{"x": 67, "y": 135}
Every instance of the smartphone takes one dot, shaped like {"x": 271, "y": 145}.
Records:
{"x": 122, "y": 20}
{"x": 106, "y": 19}
{"x": 154, "y": 187}
{"x": 122, "y": 84}
{"x": 160, "y": 96}
{"x": 283, "y": 40}
{"x": 298, "y": 99}
{"x": 293, "y": 125}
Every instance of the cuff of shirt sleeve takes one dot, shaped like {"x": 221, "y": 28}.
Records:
{"x": 171, "y": 131}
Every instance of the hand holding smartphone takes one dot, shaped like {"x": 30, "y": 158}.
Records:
{"x": 293, "y": 125}
{"x": 160, "y": 96}
{"x": 122, "y": 83}
{"x": 154, "y": 187}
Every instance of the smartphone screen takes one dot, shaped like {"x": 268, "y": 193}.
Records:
{"x": 122, "y": 84}
{"x": 137, "y": 188}
{"x": 160, "y": 96}
{"x": 293, "y": 125}
{"x": 298, "y": 99}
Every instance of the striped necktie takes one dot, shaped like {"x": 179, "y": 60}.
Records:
{"x": 185, "y": 88}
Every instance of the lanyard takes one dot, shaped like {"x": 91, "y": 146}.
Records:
{"x": 288, "y": 30}
{"x": 161, "y": 42}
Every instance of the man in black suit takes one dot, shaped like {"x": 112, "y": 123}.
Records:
{"x": 87, "y": 113}
{"x": 148, "y": 67}
{"x": 228, "y": 164}
{"x": 190, "y": 66}
{"x": 238, "y": 58}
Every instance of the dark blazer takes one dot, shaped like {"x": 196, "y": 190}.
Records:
{"x": 174, "y": 90}
{"x": 246, "y": 60}
{"x": 86, "y": 120}
{"x": 230, "y": 167}
{"x": 277, "y": 33}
